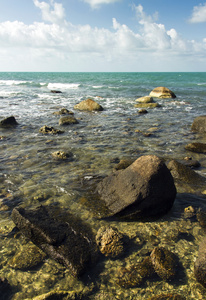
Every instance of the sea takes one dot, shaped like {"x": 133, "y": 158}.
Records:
{"x": 30, "y": 176}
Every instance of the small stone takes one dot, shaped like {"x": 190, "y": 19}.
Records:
{"x": 142, "y": 111}
{"x": 189, "y": 212}
{"x": 49, "y": 130}
{"x": 63, "y": 111}
{"x": 56, "y": 92}
{"x": 62, "y": 155}
{"x": 68, "y": 120}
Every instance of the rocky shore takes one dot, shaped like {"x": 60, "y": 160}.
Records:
{"x": 128, "y": 246}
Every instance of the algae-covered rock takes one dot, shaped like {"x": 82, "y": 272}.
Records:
{"x": 164, "y": 262}
{"x": 27, "y": 258}
{"x": 199, "y": 124}
{"x": 8, "y": 122}
{"x": 50, "y": 130}
{"x": 135, "y": 275}
{"x": 147, "y": 105}
{"x": 62, "y": 155}
{"x": 88, "y": 105}
{"x": 67, "y": 242}
{"x": 196, "y": 147}
{"x": 68, "y": 120}
{"x": 110, "y": 241}
{"x": 162, "y": 92}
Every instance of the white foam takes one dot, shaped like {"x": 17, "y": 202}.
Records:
{"x": 63, "y": 86}
{"x": 13, "y": 82}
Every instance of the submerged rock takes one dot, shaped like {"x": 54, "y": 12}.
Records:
{"x": 68, "y": 120}
{"x": 147, "y": 105}
{"x": 27, "y": 258}
{"x": 62, "y": 155}
{"x": 200, "y": 264}
{"x": 196, "y": 147}
{"x": 164, "y": 262}
{"x": 162, "y": 92}
{"x": 199, "y": 124}
{"x": 50, "y": 130}
{"x": 63, "y": 111}
{"x": 88, "y": 105}
{"x": 8, "y": 122}
{"x": 201, "y": 217}
{"x": 56, "y": 92}
{"x": 145, "y": 99}
{"x": 110, "y": 241}
{"x": 146, "y": 188}
{"x": 66, "y": 242}
{"x": 58, "y": 295}
{"x": 142, "y": 111}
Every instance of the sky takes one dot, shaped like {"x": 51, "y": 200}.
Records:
{"x": 102, "y": 36}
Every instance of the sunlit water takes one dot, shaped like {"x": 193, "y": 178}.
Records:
{"x": 30, "y": 176}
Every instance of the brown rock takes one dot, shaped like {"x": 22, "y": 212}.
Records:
{"x": 68, "y": 120}
{"x": 147, "y": 105}
{"x": 196, "y": 147}
{"x": 200, "y": 264}
{"x": 162, "y": 92}
{"x": 145, "y": 99}
{"x": 199, "y": 124}
{"x": 88, "y": 105}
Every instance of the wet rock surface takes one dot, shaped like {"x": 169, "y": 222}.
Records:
{"x": 145, "y": 99}
{"x": 50, "y": 130}
{"x": 147, "y": 105}
{"x": 162, "y": 92}
{"x": 200, "y": 264}
{"x": 62, "y": 241}
{"x": 63, "y": 111}
{"x": 146, "y": 188}
{"x": 68, "y": 120}
{"x": 196, "y": 147}
{"x": 88, "y": 105}
{"x": 62, "y": 155}
{"x": 8, "y": 122}
{"x": 199, "y": 124}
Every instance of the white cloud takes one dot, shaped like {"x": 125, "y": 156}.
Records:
{"x": 199, "y": 14}
{"x": 60, "y": 45}
{"x": 54, "y": 16}
{"x": 97, "y": 3}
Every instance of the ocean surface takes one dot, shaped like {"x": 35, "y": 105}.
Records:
{"x": 30, "y": 176}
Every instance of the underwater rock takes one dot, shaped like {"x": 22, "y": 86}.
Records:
{"x": 8, "y": 122}
{"x": 66, "y": 242}
{"x": 88, "y": 105}
{"x": 196, "y": 147}
{"x": 201, "y": 217}
{"x": 164, "y": 262}
{"x": 145, "y": 99}
{"x": 68, "y": 120}
{"x": 143, "y": 111}
{"x": 144, "y": 189}
{"x": 49, "y": 130}
{"x": 62, "y": 155}
{"x": 110, "y": 241}
{"x": 27, "y": 258}
{"x": 167, "y": 297}
{"x": 56, "y": 92}
{"x": 199, "y": 124}
{"x": 58, "y": 295}
{"x": 162, "y": 92}
{"x": 200, "y": 264}
{"x": 63, "y": 111}
{"x": 135, "y": 275}
{"x": 147, "y": 105}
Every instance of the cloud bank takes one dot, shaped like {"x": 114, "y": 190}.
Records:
{"x": 199, "y": 14}
{"x": 56, "y": 44}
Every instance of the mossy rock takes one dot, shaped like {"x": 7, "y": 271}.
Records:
{"x": 50, "y": 130}
{"x": 145, "y": 99}
{"x": 147, "y": 105}
{"x": 27, "y": 258}
{"x": 196, "y": 147}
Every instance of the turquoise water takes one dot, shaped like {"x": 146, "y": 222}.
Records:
{"x": 30, "y": 176}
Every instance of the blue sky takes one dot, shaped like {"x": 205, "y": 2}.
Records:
{"x": 102, "y": 35}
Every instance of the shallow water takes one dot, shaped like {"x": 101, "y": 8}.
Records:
{"x": 30, "y": 176}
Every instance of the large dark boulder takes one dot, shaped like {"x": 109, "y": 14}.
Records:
{"x": 199, "y": 124}
{"x": 8, "y": 122}
{"x": 68, "y": 242}
{"x": 146, "y": 188}
{"x": 200, "y": 264}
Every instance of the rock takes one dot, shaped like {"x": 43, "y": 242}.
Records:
{"x": 200, "y": 264}
{"x": 162, "y": 92}
{"x": 63, "y": 111}
{"x": 145, "y": 99}
{"x": 147, "y": 105}
{"x": 142, "y": 111}
{"x": 110, "y": 241}
{"x": 56, "y": 92}
{"x": 135, "y": 275}
{"x": 68, "y": 120}
{"x": 199, "y": 124}
{"x": 62, "y": 155}
{"x": 146, "y": 188}
{"x": 196, "y": 147}
{"x": 49, "y": 130}
{"x": 123, "y": 164}
{"x": 185, "y": 174}
{"x": 27, "y": 258}
{"x": 189, "y": 212}
{"x": 192, "y": 163}
{"x": 164, "y": 262}
{"x": 201, "y": 217}
{"x": 167, "y": 297}
{"x": 88, "y": 105}
{"x": 66, "y": 241}
{"x": 8, "y": 122}
{"x": 58, "y": 295}
{"x": 5, "y": 289}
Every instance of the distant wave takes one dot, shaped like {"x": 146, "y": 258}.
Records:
{"x": 20, "y": 82}
{"x": 204, "y": 83}
{"x": 63, "y": 86}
